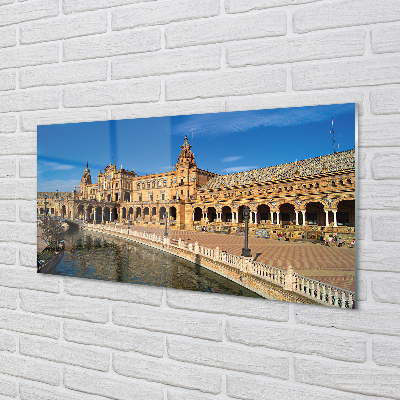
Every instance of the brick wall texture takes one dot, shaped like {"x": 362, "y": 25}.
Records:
{"x": 71, "y": 61}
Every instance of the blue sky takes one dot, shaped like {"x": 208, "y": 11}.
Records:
{"x": 222, "y": 143}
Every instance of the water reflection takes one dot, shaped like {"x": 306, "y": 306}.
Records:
{"x": 97, "y": 256}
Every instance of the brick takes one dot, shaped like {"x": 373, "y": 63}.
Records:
{"x": 170, "y": 373}
{"x": 166, "y": 63}
{"x": 28, "y": 11}
{"x": 64, "y": 74}
{"x": 253, "y": 388}
{"x": 7, "y": 213}
{"x": 22, "y": 278}
{"x": 28, "y": 169}
{"x": 372, "y": 320}
{"x": 299, "y": 100}
{"x": 3, "y": 2}
{"x": 186, "y": 395}
{"x": 361, "y": 288}
{"x": 7, "y": 167}
{"x": 377, "y": 132}
{"x": 27, "y": 368}
{"x": 13, "y": 189}
{"x": 28, "y": 257}
{"x": 162, "y": 320}
{"x": 114, "y": 93}
{"x": 362, "y": 170}
{"x": 31, "y": 392}
{"x": 386, "y": 165}
{"x": 336, "y": 74}
{"x": 237, "y": 6}
{"x": 315, "y": 47}
{"x": 7, "y": 80}
{"x": 7, "y": 253}
{"x": 8, "y": 388}
{"x": 344, "y": 13}
{"x": 63, "y": 28}
{"x": 30, "y": 324}
{"x": 8, "y": 37}
{"x": 111, "y": 387}
{"x": 163, "y": 13}
{"x": 362, "y": 221}
{"x": 19, "y": 233}
{"x": 386, "y": 227}
{"x": 139, "y": 341}
{"x": 228, "y": 357}
{"x": 226, "y": 84}
{"x": 66, "y": 353}
{"x": 114, "y": 291}
{"x": 30, "y": 121}
{"x": 23, "y": 56}
{"x": 127, "y": 42}
{"x": 72, "y": 6}
{"x": 87, "y": 310}
{"x": 385, "y": 39}
{"x": 342, "y": 376}
{"x": 298, "y": 340}
{"x": 8, "y": 124}
{"x": 224, "y": 29}
{"x": 7, "y": 342}
{"x": 378, "y": 257}
{"x": 8, "y": 298}
{"x": 216, "y": 303}
{"x": 385, "y": 289}
{"x": 21, "y": 144}
{"x": 385, "y": 101}
{"x": 386, "y": 351}
{"x": 166, "y": 109}
{"x": 29, "y": 100}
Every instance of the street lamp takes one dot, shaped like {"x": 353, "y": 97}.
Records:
{"x": 166, "y": 223}
{"x": 246, "y": 252}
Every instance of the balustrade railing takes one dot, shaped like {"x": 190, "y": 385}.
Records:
{"x": 286, "y": 279}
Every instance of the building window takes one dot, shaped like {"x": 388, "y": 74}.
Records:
{"x": 159, "y": 183}
{"x": 148, "y": 185}
{"x": 163, "y": 196}
{"x": 143, "y": 185}
{"x": 153, "y": 184}
{"x": 165, "y": 183}
{"x": 116, "y": 184}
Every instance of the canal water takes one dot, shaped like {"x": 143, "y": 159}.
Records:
{"x": 98, "y": 256}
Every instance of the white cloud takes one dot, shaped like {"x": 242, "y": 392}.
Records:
{"x": 55, "y": 166}
{"x": 231, "y": 158}
{"x": 232, "y": 170}
{"x": 57, "y": 184}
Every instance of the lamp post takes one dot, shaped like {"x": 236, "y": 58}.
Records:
{"x": 246, "y": 252}
{"x": 45, "y": 204}
{"x": 166, "y": 223}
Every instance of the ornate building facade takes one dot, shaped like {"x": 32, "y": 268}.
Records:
{"x": 309, "y": 195}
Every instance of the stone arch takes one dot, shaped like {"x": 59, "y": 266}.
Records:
{"x": 263, "y": 213}
{"x": 146, "y": 212}
{"x": 315, "y": 214}
{"x": 346, "y": 213}
{"x": 161, "y": 212}
{"x": 287, "y": 215}
{"x": 197, "y": 214}
{"x": 98, "y": 210}
{"x": 138, "y": 213}
{"x": 172, "y": 213}
{"x": 211, "y": 214}
{"x": 226, "y": 214}
{"x": 130, "y": 213}
{"x": 123, "y": 213}
{"x": 106, "y": 213}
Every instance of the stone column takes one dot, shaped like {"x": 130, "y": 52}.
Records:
{"x": 334, "y": 218}
{"x": 326, "y": 218}
{"x": 304, "y": 217}
{"x": 110, "y": 215}
{"x": 102, "y": 215}
{"x": 277, "y": 217}
{"x": 94, "y": 216}
{"x": 193, "y": 217}
{"x": 272, "y": 217}
{"x": 255, "y": 217}
{"x": 85, "y": 215}
{"x": 297, "y": 217}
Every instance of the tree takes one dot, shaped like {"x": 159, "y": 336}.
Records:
{"x": 53, "y": 231}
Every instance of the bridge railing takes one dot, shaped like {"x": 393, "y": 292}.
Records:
{"x": 286, "y": 279}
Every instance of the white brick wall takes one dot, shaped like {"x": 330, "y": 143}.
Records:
{"x": 72, "y": 61}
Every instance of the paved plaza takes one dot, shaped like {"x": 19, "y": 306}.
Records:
{"x": 333, "y": 265}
